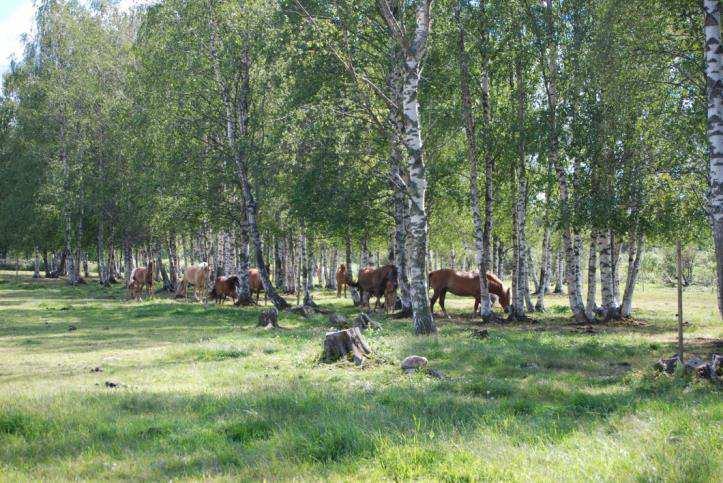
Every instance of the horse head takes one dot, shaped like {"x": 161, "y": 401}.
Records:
{"x": 505, "y": 300}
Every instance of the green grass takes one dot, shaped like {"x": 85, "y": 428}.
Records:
{"x": 205, "y": 394}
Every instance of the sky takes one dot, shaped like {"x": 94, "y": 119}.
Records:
{"x": 17, "y": 18}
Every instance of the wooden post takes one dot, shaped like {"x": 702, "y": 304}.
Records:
{"x": 680, "y": 299}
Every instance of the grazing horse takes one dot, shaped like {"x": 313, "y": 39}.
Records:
{"x": 196, "y": 275}
{"x": 375, "y": 282}
{"x": 342, "y": 280}
{"x": 464, "y": 284}
{"x": 255, "y": 284}
{"x": 141, "y": 277}
{"x": 225, "y": 287}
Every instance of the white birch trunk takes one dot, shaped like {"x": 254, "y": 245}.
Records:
{"x": 481, "y": 233}
{"x": 606, "y": 275}
{"x": 714, "y": 89}
{"x": 635, "y": 256}
{"x": 591, "y": 306}
{"x": 36, "y": 268}
{"x": 413, "y": 52}
{"x": 545, "y": 265}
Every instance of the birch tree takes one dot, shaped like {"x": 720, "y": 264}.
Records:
{"x": 413, "y": 47}
{"x": 714, "y": 89}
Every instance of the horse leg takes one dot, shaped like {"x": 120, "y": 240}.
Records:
{"x": 441, "y": 303}
{"x": 476, "y": 306}
{"x": 433, "y": 300}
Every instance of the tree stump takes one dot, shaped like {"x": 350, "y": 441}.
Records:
{"x": 303, "y": 310}
{"x": 363, "y": 321}
{"x": 348, "y": 343}
{"x": 667, "y": 365}
{"x": 715, "y": 366}
{"x": 339, "y": 321}
{"x": 269, "y": 318}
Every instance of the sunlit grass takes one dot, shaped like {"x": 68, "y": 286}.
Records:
{"x": 206, "y": 394}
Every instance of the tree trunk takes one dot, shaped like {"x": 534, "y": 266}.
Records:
{"x": 570, "y": 240}
{"x": 46, "y": 266}
{"x": 307, "y": 257}
{"x": 519, "y": 277}
{"x": 413, "y": 53}
{"x": 398, "y": 177}
{"x": 481, "y": 233}
{"x": 173, "y": 261}
{"x": 279, "y": 275}
{"x": 615, "y": 265}
{"x": 128, "y": 260}
{"x": 559, "y": 272}
{"x": 635, "y": 256}
{"x": 714, "y": 89}
{"x": 591, "y": 306}
{"x": 103, "y": 274}
{"x": 237, "y": 117}
{"x": 167, "y": 285}
{"x": 36, "y": 268}
{"x": 347, "y": 254}
{"x": 606, "y": 276}
{"x": 545, "y": 265}
{"x": 244, "y": 290}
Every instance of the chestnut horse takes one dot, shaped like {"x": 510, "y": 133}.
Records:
{"x": 464, "y": 284}
{"x": 342, "y": 278}
{"x": 255, "y": 284}
{"x": 374, "y": 282}
{"x": 225, "y": 287}
{"x": 141, "y": 277}
{"x": 196, "y": 275}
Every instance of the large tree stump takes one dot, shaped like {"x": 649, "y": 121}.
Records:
{"x": 269, "y": 318}
{"x": 348, "y": 343}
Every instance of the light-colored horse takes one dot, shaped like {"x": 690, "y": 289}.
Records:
{"x": 198, "y": 276}
{"x": 141, "y": 277}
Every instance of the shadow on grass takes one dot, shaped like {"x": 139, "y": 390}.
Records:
{"x": 302, "y": 423}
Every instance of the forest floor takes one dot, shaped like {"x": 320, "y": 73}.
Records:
{"x": 204, "y": 394}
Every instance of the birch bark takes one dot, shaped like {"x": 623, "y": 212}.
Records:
{"x": 237, "y": 117}
{"x": 714, "y": 88}
{"x": 413, "y": 51}
{"x": 481, "y": 233}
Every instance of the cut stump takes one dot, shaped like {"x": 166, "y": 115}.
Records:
{"x": 269, "y": 318}
{"x": 363, "y": 321}
{"x": 348, "y": 343}
{"x": 339, "y": 321}
{"x": 667, "y": 365}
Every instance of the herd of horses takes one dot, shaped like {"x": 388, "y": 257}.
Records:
{"x": 371, "y": 282}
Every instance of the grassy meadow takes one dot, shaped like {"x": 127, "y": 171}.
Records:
{"x": 206, "y": 395}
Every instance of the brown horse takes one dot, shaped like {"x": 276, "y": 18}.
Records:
{"x": 224, "y": 287}
{"x": 255, "y": 284}
{"x": 373, "y": 282}
{"x": 464, "y": 284}
{"x": 141, "y": 277}
{"x": 196, "y": 275}
{"x": 342, "y": 279}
